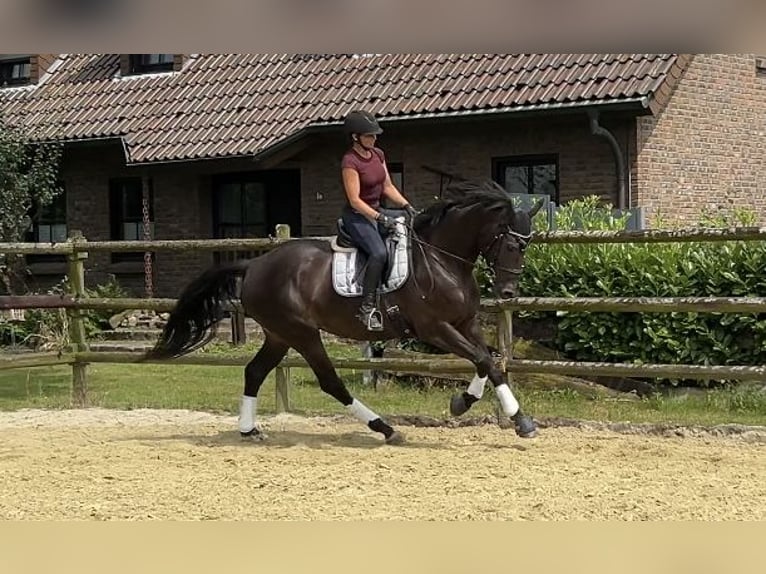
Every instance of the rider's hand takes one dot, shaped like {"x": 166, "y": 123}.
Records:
{"x": 411, "y": 211}
{"x": 386, "y": 222}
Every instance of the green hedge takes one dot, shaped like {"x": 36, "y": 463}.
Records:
{"x": 723, "y": 269}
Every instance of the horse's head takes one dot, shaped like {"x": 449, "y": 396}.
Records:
{"x": 502, "y": 242}
{"x": 482, "y": 217}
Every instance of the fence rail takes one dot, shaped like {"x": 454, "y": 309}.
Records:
{"x": 77, "y": 248}
{"x": 79, "y": 244}
{"x": 571, "y": 304}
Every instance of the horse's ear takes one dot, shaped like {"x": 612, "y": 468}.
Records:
{"x": 536, "y": 208}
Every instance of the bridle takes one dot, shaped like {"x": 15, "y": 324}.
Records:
{"x": 521, "y": 240}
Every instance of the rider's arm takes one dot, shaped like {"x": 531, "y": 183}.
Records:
{"x": 351, "y": 187}
{"x": 391, "y": 192}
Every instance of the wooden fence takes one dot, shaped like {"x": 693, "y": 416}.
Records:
{"x": 79, "y": 355}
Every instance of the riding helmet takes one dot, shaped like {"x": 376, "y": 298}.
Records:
{"x": 361, "y": 122}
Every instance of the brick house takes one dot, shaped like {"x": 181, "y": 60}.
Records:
{"x": 230, "y": 145}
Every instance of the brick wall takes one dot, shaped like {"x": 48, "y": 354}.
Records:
{"x": 706, "y": 148}
{"x": 586, "y": 164}
{"x": 86, "y": 171}
{"x": 39, "y": 64}
{"x": 182, "y": 210}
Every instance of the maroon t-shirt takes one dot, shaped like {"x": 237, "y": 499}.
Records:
{"x": 372, "y": 174}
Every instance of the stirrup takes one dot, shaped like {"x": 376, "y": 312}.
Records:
{"x": 375, "y": 321}
{"x": 372, "y": 319}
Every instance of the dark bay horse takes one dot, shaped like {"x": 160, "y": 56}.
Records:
{"x": 289, "y": 292}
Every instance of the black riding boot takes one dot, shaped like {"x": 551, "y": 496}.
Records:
{"x": 369, "y": 315}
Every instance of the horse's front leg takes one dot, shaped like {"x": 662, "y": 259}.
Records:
{"x": 471, "y": 346}
{"x": 462, "y": 403}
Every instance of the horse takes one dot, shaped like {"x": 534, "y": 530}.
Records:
{"x": 289, "y": 292}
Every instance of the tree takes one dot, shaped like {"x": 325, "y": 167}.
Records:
{"x": 28, "y": 180}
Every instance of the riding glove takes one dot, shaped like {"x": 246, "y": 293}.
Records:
{"x": 386, "y": 222}
{"x": 411, "y": 211}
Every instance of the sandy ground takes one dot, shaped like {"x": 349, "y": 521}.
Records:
{"x": 98, "y": 464}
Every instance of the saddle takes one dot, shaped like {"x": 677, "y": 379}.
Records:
{"x": 348, "y": 261}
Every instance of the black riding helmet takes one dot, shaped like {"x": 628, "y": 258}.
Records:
{"x": 361, "y": 122}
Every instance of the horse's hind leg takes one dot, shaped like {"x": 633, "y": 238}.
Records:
{"x": 266, "y": 359}
{"x": 312, "y": 349}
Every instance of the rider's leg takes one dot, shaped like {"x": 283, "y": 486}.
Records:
{"x": 367, "y": 237}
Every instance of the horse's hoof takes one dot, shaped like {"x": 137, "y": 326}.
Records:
{"x": 253, "y": 435}
{"x": 457, "y": 406}
{"x": 525, "y": 427}
{"x": 395, "y": 439}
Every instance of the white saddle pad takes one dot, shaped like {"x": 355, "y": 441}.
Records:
{"x": 345, "y": 268}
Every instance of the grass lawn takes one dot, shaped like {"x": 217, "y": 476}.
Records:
{"x": 217, "y": 389}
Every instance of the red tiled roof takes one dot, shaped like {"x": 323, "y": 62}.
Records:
{"x": 241, "y": 104}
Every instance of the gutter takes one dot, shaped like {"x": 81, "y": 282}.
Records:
{"x": 318, "y": 127}
{"x": 629, "y": 103}
{"x": 597, "y": 130}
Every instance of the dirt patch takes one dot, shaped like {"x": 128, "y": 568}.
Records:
{"x": 734, "y": 431}
{"x": 99, "y": 464}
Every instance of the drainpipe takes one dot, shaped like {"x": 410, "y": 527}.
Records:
{"x": 598, "y": 130}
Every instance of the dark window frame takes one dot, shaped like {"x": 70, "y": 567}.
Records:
{"x": 272, "y": 198}
{"x": 138, "y": 65}
{"x": 243, "y": 225}
{"x": 55, "y": 213}
{"x": 6, "y": 71}
{"x": 118, "y": 186}
{"x": 499, "y": 164}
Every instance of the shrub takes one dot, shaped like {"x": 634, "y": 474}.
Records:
{"x": 45, "y": 329}
{"x": 720, "y": 269}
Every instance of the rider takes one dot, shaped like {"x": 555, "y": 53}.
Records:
{"x": 366, "y": 180}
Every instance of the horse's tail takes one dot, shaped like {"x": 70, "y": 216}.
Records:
{"x": 199, "y": 308}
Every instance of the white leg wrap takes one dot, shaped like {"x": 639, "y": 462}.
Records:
{"x": 507, "y": 400}
{"x": 361, "y": 412}
{"x": 247, "y": 408}
{"x": 476, "y": 388}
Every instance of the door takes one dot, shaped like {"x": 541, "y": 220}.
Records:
{"x": 251, "y": 204}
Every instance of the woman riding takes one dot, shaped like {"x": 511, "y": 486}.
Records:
{"x": 366, "y": 181}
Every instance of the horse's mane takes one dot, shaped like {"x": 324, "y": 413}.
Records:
{"x": 462, "y": 194}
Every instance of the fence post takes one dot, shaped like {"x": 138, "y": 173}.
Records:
{"x": 283, "y": 389}
{"x": 282, "y": 231}
{"x": 238, "y": 333}
{"x": 78, "y": 337}
{"x": 505, "y": 336}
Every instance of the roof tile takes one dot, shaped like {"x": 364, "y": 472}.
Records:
{"x": 240, "y": 104}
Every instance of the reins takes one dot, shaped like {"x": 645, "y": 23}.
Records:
{"x": 522, "y": 239}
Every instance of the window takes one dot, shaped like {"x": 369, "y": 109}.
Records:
{"x": 147, "y": 63}
{"x": 241, "y": 209}
{"x": 14, "y": 71}
{"x": 49, "y": 225}
{"x": 528, "y": 175}
{"x": 252, "y": 204}
{"x": 126, "y": 214}
{"x": 760, "y": 66}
